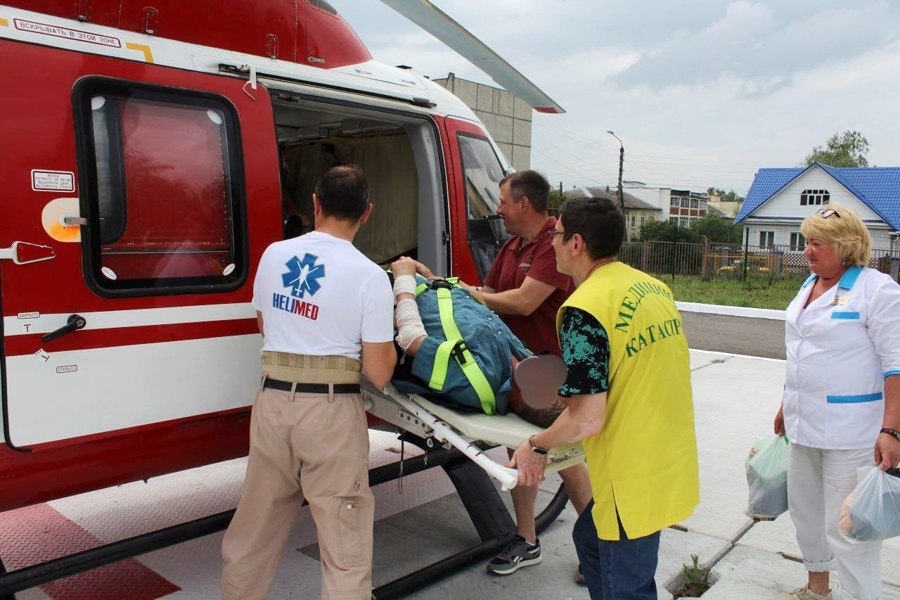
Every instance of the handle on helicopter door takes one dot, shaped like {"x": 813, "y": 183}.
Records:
{"x": 73, "y": 323}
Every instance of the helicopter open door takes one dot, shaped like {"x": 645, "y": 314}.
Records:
{"x": 127, "y": 252}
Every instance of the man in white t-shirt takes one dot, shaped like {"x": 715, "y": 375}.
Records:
{"x": 325, "y": 312}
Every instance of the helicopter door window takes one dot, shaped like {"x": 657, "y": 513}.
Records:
{"x": 163, "y": 190}
{"x": 483, "y": 173}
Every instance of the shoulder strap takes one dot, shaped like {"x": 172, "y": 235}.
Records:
{"x": 455, "y": 347}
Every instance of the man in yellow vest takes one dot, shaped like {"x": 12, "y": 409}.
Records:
{"x": 628, "y": 394}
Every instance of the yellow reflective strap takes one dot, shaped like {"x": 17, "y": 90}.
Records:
{"x": 439, "y": 369}
{"x": 421, "y": 288}
{"x": 443, "y": 354}
{"x": 479, "y": 382}
{"x": 445, "y": 310}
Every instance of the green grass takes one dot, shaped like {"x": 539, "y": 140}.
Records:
{"x": 754, "y": 292}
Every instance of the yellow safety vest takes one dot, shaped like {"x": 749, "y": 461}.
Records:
{"x": 643, "y": 463}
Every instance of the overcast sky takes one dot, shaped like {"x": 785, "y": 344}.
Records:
{"x": 701, "y": 92}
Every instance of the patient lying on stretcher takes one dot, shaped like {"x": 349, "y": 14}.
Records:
{"x": 461, "y": 350}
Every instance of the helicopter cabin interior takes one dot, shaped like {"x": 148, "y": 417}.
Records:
{"x": 397, "y": 152}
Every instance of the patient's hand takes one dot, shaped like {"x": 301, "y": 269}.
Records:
{"x": 423, "y": 270}
{"x": 403, "y": 266}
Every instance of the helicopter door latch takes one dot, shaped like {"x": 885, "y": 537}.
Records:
{"x": 73, "y": 323}
{"x": 23, "y": 253}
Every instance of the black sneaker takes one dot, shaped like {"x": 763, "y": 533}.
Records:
{"x": 517, "y": 554}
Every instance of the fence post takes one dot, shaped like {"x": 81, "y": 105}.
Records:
{"x": 645, "y": 255}
{"x": 746, "y": 245}
{"x": 674, "y": 252}
{"x": 705, "y": 270}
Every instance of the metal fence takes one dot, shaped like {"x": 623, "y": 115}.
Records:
{"x": 733, "y": 261}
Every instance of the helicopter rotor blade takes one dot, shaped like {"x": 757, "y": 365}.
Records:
{"x": 436, "y": 22}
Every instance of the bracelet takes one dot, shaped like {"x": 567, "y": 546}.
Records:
{"x": 891, "y": 432}
{"x": 535, "y": 448}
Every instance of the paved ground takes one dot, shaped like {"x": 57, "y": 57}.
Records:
{"x": 738, "y": 335}
{"x": 735, "y": 399}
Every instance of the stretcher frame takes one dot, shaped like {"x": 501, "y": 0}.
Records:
{"x": 471, "y": 433}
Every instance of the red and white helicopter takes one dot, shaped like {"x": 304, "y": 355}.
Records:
{"x": 147, "y": 147}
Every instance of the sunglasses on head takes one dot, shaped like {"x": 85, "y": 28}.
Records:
{"x": 827, "y": 212}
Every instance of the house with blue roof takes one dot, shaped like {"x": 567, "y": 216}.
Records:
{"x": 780, "y": 199}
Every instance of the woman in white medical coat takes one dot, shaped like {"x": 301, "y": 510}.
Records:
{"x": 841, "y": 406}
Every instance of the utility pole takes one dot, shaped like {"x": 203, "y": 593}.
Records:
{"x": 621, "y": 165}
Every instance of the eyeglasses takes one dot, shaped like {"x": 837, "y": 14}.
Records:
{"x": 827, "y": 212}
{"x": 551, "y": 235}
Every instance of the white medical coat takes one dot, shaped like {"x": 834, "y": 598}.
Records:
{"x": 840, "y": 349}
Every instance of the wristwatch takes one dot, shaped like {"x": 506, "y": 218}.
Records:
{"x": 892, "y": 432}
{"x": 535, "y": 448}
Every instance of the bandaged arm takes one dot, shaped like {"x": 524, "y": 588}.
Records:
{"x": 410, "y": 330}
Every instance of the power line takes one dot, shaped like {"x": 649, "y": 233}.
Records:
{"x": 567, "y": 168}
{"x": 643, "y": 155}
{"x": 586, "y": 163}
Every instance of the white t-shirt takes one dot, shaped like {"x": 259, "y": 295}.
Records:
{"x": 321, "y": 296}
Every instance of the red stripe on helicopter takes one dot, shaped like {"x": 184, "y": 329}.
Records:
{"x": 87, "y": 339}
{"x": 39, "y": 533}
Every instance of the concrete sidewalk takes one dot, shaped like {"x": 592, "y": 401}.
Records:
{"x": 736, "y": 398}
{"x": 423, "y": 521}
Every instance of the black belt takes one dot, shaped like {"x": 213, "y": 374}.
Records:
{"x": 312, "y": 388}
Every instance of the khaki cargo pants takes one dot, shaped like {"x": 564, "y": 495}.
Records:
{"x": 314, "y": 447}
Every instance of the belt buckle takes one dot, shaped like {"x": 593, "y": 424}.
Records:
{"x": 458, "y": 352}
{"x": 441, "y": 283}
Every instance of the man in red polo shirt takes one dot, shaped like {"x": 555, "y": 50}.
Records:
{"x": 525, "y": 288}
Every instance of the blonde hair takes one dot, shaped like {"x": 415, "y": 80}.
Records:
{"x": 844, "y": 229}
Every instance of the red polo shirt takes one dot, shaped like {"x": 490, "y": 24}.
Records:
{"x": 518, "y": 260}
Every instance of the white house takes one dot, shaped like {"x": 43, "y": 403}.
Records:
{"x": 780, "y": 199}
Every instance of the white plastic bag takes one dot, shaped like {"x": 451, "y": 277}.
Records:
{"x": 872, "y": 510}
{"x": 767, "y": 477}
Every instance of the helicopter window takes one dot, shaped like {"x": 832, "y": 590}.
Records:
{"x": 164, "y": 190}
{"x": 483, "y": 173}
{"x": 323, "y": 5}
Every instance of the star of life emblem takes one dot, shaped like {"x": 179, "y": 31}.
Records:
{"x": 303, "y": 275}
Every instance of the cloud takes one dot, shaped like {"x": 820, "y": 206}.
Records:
{"x": 702, "y": 92}
{"x": 763, "y": 45}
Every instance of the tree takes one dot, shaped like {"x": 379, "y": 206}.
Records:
{"x": 729, "y": 196}
{"x": 554, "y": 201}
{"x": 847, "y": 149}
{"x": 717, "y": 230}
{"x": 666, "y": 231}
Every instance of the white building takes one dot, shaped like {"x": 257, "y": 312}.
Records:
{"x": 679, "y": 206}
{"x": 780, "y": 199}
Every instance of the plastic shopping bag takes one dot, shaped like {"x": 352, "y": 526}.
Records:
{"x": 872, "y": 510}
{"x": 767, "y": 477}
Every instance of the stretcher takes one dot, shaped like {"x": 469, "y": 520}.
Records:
{"x": 469, "y": 432}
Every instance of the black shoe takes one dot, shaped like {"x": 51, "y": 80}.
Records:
{"x": 517, "y": 554}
